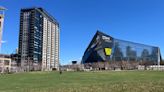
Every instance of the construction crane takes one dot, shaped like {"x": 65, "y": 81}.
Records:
{"x": 2, "y": 13}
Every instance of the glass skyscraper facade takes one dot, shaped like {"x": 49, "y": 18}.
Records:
{"x": 104, "y": 48}
{"x": 38, "y": 39}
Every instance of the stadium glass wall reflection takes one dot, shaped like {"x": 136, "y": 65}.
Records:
{"x": 104, "y": 48}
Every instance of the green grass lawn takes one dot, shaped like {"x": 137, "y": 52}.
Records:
{"x": 106, "y": 81}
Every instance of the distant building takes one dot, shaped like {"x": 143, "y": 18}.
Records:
{"x": 8, "y": 63}
{"x": 5, "y": 63}
{"x": 38, "y": 39}
{"x": 2, "y": 9}
{"x": 106, "y": 52}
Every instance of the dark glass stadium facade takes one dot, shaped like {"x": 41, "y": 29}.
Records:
{"x": 104, "y": 48}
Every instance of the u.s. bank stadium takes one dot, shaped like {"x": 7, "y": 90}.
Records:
{"x": 106, "y": 52}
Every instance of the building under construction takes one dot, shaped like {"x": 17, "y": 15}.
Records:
{"x": 2, "y": 13}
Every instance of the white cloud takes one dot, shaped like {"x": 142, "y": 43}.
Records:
{"x": 3, "y": 41}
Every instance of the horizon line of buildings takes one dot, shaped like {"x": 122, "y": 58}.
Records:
{"x": 39, "y": 42}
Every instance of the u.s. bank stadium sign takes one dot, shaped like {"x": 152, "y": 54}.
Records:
{"x": 107, "y": 39}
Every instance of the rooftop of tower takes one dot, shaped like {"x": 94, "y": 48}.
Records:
{"x": 43, "y": 11}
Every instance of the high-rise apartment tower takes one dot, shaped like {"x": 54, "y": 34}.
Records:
{"x": 38, "y": 39}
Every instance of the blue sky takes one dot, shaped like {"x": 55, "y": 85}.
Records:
{"x": 140, "y": 21}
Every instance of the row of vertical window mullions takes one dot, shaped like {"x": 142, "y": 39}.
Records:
{"x": 137, "y": 52}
